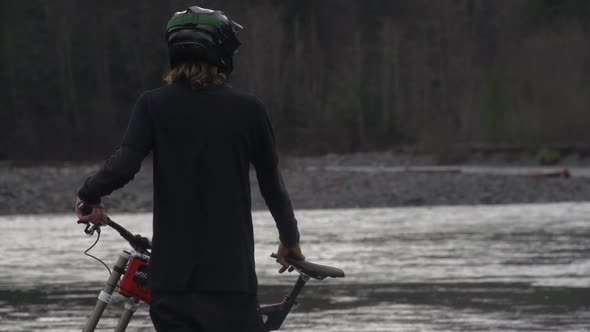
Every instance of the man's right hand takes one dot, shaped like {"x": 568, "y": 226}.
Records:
{"x": 284, "y": 252}
{"x": 97, "y": 216}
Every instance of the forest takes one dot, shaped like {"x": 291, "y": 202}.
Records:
{"x": 337, "y": 76}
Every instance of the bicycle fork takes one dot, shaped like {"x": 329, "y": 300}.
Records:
{"x": 105, "y": 296}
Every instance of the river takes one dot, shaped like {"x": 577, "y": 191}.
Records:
{"x": 461, "y": 268}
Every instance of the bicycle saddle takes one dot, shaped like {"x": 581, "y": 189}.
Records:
{"x": 315, "y": 271}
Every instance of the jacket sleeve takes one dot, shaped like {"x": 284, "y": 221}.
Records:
{"x": 270, "y": 181}
{"x": 125, "y": 162}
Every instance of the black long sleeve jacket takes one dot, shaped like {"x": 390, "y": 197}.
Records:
{"x": 203, "y": 143}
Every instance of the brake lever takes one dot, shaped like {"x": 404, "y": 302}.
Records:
{"x": 90, "y": 228}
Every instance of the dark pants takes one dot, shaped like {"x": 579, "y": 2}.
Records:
{"x": 205, "y": 312}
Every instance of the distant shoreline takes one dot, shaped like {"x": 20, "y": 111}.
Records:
{"x": 332, "y": 181}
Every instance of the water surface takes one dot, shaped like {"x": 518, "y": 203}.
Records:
{"x": 471, "y": 268}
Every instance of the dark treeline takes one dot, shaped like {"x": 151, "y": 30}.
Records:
{"x": 336, "y": 75}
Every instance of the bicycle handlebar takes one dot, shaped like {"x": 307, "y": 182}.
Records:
{"x": 137, "y": 242}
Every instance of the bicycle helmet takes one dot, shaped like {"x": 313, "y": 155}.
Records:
{"x": 202, "y": 34}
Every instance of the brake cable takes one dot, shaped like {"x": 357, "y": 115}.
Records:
{"x": 86, "y": 252}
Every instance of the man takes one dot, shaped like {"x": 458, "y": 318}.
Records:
{"x": 203, "y": 135}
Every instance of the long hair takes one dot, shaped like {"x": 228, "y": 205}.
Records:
{"x": 197, "y": 75}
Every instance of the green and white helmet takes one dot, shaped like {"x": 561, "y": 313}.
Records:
{"x": 202, "y": 34}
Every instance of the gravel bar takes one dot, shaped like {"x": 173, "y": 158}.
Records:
{"x": 333, "y": 181}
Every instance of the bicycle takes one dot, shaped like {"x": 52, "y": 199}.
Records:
{"x": 129, "y": 278}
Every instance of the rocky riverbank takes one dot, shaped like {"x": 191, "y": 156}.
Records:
{"x": 333, "y": 181}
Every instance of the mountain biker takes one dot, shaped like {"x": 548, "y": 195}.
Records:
{"x": 203, "y": 135}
